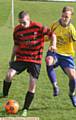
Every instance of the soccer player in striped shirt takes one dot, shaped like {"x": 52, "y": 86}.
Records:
{"x": 27, "y": 54}
{"x": 63, "y": 57}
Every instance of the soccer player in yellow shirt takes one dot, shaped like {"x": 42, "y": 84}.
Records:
{"x": 63, "y": 57}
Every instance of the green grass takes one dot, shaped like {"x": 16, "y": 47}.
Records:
{"x": 44, "y": 105}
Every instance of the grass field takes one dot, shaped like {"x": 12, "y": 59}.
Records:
{"x": 44, "y": 105}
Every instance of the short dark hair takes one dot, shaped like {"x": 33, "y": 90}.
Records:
{"x": 68, "y": 8}
{"x": 22, "y": 14}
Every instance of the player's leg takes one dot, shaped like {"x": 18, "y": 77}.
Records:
{"x": 72, "y": 84}
{"x": 7, "y": 81}
{"x": 30, "y": 95}
{"x": 68, "y": 67}
{"x": 15, "y": 67}
{"x": 50, "y": 62}
{"x": 34, "y": 74}
{"x": 31, "y": 91}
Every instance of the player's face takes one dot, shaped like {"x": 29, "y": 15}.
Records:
{"x": 25, "y": 21}
{"x": 66, "y": 17}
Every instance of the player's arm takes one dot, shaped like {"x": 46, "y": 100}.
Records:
{"x": 51, "y": 37}
{"x": 53, "y": 46}
{"x": 13, "y": 53}
{"x": 15, "y": 47}
{"x": 73, "y": 34}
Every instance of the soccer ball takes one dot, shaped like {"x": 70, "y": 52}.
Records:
{"x": 11, "y": 106}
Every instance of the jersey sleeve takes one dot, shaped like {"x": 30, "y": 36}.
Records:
{"x": 15, "y": 37}
{"x": 54, "y": 26}
{"x": 44, "y": 30}
{"x": 73, "y": 33}
{"x": 47, "y": 31}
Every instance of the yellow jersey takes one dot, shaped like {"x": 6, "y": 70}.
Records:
{"x": 65, "y": 38}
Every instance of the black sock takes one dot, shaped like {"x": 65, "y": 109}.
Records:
{"x": 28, "y": 99}
{"x": 6, "y": 86}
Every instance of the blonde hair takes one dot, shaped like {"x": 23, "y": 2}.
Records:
{"x": 68, "y": 8}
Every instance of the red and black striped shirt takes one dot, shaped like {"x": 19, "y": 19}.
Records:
{"x": 30, "y": 42}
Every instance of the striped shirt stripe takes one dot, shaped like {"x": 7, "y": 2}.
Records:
{"x": 30, "y": 42}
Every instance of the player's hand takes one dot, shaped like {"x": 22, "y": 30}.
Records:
{"x": 52, "y": 48}
{"x": 10, "y": 62}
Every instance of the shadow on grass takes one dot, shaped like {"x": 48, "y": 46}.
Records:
{"x": 50, "y": 108}
{"x": 5, "y": 114}
{"x": 39, "y": 108}
{"x": 58, "y": 108}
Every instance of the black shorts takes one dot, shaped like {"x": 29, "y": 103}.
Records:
{"x": 31, "y": 67}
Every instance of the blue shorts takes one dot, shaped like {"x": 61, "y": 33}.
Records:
{"x": 61, "y": 60}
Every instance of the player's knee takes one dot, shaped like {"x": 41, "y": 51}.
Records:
{"x": 49, "y": 60}
{"x": 73, "y": 75}
{"x": 9, "y": 75}
{"x": 32, "y": 86}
